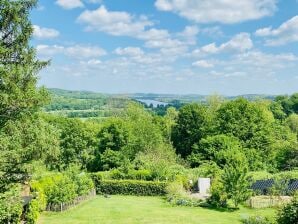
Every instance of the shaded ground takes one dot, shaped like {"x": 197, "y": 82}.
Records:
{"x": 143, "y": 210}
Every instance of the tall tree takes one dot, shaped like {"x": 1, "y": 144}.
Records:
{"x": 193, "y": 124}
{"x": 18, "y": 63}
{"x": 19, "y": 95}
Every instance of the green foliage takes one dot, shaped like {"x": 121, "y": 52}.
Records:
{"x": 250, "y": 122}
{"x": 219, "y": 197}
{"x": 213, "y": 148}
{"x": 77, "y": 141}
{"x": 22, "y": 142}
{"x": 62, "y": 187}
{"x": 234, "y": 178}
{"x": 193, "y": 124}
{"x": 110, "y": 159}
{"x": 257, "y": 220}
{"x": 33, "y": 212}
{"x": 114, "y": 135}
{"x": 130, "y": 187}
{"x": 289, "y": 213}
{"x": 18, "y": 64}
{"x": 289, "y": 103}
{"x": 292, "y": 122}
{"x": 159, "y": 161}
{"x": 11, "y": 206}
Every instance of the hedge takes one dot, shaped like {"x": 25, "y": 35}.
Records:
{"x": 130, "y": 187}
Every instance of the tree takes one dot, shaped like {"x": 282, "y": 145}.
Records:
{"x": 277, "y": 110}
{"x": 292, "y": 122}
{"x": 22, "y": 142}
{"x": 193, "y": 124}
{"x": 78, "y": 141}
{"x": 213, "y": 148}
{"x": 234, "y": 178}
{"x": 18, "y": 64}
{"x": 250, "y": 122}
{"x": 114, "y": 135}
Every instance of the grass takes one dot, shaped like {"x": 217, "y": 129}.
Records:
{"x": 144, "y": 210}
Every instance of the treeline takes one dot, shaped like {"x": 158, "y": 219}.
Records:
{"x": 83, "y": 104}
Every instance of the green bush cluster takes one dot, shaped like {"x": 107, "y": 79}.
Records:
{"x": 177, "y": 195}
{"x": 11, "y": 206}
{"x": 257, "y": 220}
{"x": 62, "y": 187}
{"x": 289, "y": 213}
{"x": 56, "y": 188}
{"x": 130, "y": 187}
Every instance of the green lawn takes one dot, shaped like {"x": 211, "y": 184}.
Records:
{"x": 141, "y": 210}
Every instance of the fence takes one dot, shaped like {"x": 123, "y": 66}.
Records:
{"x": 268, "y": 201}
{"x": 59, "y": 207}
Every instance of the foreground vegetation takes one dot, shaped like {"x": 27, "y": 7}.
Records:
{"x": 157, "y": 153}
{"x": 141, "y": 210}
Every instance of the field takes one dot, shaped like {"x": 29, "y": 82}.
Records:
{"x": 144, "y": 210}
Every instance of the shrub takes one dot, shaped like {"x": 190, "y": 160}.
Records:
{"x": 130, "y": 187}
{"x": 257, "y": 220}
{"x": 289, "y": 213}
{"x": 61, "y": 188}
{"x": 177, "y": 195}
{"x": 140, "y": 175}
{"x": 219, "y": 197}
{"x": 11, "y": 206}
{"x": 33, "y": 212}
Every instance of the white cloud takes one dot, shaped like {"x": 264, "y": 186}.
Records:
{"x": 222, "y": 11}
{"x": 114, "y": 22}
{"x": 129, "y": 51}
{"x": 76, "y": 51}
{"x": 264, "y": 60}
{"x": 163, "y": 43}
{"x": 286, "y": 33}
{"x": 203, "y": 64}
{"x": 46, "y": 50}
{"x": 44, "y": 33}
{"x": 239, "y": 43}
{"x": 70, "y": 4}
{"x": 189, "y": 34}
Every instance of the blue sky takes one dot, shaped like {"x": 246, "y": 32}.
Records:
{"x": 169, "y": 46}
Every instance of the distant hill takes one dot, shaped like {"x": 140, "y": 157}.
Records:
{"x": 85, "y": 104}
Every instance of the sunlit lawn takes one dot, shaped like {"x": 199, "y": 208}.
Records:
{"x": 140, "y": 210}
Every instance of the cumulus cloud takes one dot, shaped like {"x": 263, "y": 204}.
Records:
{"x": 70, "y": 4}
{"x": 286, "y": 33}
{"x": 44, "y": 33}
{"x": 189, "y": 34}
{"x": 114, "y": 22}
{"x": 76, "y": 51}
{"x": 222, "y": 11}
{"x": 203, "y": 64}
{"x": 129, "y": 51}
{"x": 239, "y": 43}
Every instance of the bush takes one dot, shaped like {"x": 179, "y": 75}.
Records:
{"x": 289, "y": 213}
{"x": 130, "y": 187}
{"x": 33, "y": 212}
{"x": 219, "y": 197}
{"x": 10, "y": 206}
{"x": 177, "y": 195}
{"x": 61, "y": 188}
{"x": 257, "y": 220}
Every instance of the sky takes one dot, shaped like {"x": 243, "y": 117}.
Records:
{"x": 169, "y": 46}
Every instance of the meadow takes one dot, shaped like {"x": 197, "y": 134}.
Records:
{"x": 145, "y": 210}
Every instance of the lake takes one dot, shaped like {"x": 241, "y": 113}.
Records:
{"x": 155, "y": 103}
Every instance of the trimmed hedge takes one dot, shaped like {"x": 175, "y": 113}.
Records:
{"x": 131, "y": 187}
